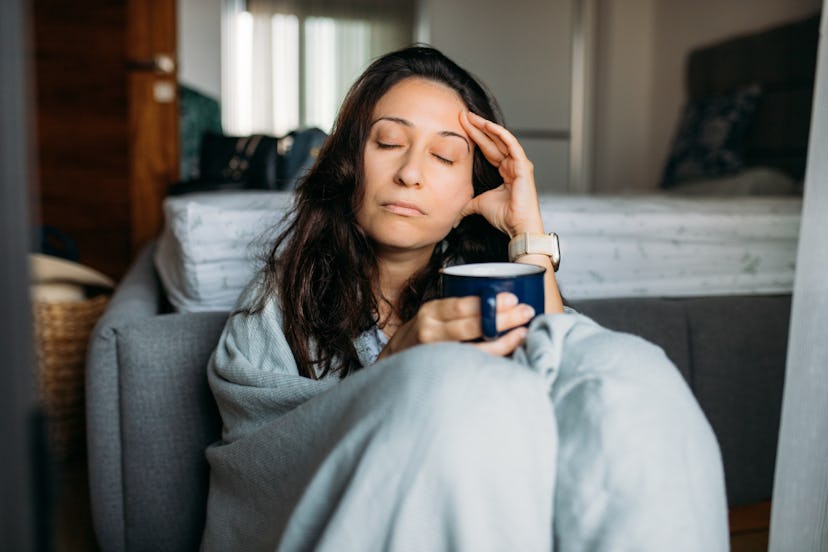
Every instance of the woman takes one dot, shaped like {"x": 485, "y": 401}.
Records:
{"x": 341, "y": 433}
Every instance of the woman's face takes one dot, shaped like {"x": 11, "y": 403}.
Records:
{"x": 417, "y": 167}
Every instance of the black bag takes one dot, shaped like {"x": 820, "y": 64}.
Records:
{"x": 252, "y": 160}
{"x": 257, "y": 162}
{"x": 234, "y": 163}
{"x": 300, "y": 149}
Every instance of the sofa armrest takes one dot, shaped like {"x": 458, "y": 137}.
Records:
{"x": 149, "y": 416}
{"x": 135, "y": 297}
{"x": 139, "y": 293}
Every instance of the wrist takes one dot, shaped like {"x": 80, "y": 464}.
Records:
{"x": 533, "y": 225}
{"x": 537, "y": 260}
{"x": 536, "y": 228}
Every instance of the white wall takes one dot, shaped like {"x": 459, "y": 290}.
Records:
{"x": 522, "y": 52}
{"x": 199, "y": 45}
{"x": 622, "y": 94}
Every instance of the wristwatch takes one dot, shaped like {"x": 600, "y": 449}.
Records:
{"x": 536, "y": 244}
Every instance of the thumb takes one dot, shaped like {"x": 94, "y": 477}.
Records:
{"x": 470, "y": 208}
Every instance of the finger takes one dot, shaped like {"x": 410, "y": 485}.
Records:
{"x": 472, "y": 207}
{"x": 488, "y": 127}
{"x": 506, "y": 344}
{"x": 506, "y": 142}
{"x": 475, "y": 205}
{"x": 514, "y": 316}
{"x": 484, "y": 141}
{"x": 456, "y": 308}
{"x": 461, "y": 329}
{"x": 458, "y": 319}
{"x": 509, "y": 315}
{"x": 451, "y": 308}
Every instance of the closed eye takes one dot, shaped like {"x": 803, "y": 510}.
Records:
{"x": 382, "y": 145}
{"x": 443, "y": 159}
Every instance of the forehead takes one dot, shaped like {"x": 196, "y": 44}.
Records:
{"x": 418, "y": 95}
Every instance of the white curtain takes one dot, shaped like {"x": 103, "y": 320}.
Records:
{"x": 799, "y": 519}
{"x": 288, "y": 64}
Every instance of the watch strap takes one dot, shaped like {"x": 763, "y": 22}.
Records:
{"x": 536, "y": 244}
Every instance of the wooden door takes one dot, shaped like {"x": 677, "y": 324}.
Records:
{"x": 107, "y": 123}
{"x": 153, "y": 113}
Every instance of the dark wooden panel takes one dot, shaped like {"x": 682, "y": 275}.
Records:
{"x": 751, "y": 517}
{"x": 82, "y": 126}
{"x": 107, "y": 148}
{"x": 153, "y": 120}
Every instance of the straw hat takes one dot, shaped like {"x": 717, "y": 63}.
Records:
{"x": 54, "y": 279}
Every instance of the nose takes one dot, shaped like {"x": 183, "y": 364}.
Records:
{"x": 409, "y": 172}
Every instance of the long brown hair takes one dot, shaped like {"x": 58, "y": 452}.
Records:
{"x": 322, "y": 267}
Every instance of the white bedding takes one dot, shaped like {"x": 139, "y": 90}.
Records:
{"x": 651, "y": 246}
{"x": 213, "y": 243}
{"x": 633, "y": 246}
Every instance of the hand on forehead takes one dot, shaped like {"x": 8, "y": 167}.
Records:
{"x": 496, "y": 143}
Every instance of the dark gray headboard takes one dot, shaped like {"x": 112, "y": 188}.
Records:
{"x": 783, "y": 61}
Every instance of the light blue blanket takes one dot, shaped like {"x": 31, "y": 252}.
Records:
{"x": 586, "y": 439}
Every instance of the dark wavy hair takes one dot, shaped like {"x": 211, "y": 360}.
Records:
{"x": 322, "y": 267}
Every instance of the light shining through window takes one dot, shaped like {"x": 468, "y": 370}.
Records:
{"x": 289, "y": 71}
{"x": 285, "y": 73}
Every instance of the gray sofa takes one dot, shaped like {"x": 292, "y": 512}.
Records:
{"x": 150, "y": 413}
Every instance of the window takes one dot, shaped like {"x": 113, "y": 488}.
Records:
{"x": 288, "y": 65}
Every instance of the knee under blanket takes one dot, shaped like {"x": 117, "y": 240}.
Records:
{"x": 585, "y": 439}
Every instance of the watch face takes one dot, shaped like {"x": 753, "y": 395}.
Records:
{"x": 556, "y": 258}
{"x": 555, "y": 253}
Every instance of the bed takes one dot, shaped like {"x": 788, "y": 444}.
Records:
{"x": 635, "y": 246}
{"x": 703, "y": 268}
{"x": 748, "y": 107}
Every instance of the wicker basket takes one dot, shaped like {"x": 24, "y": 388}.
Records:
{"x": 62, "y": 331}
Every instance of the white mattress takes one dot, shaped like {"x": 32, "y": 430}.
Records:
{"x": 213, "y": 243}
{"x": 634, "y": 246}
{"x": 667, "y": 246}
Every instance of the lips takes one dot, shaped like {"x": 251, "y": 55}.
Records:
{"x": 403, "y": 208}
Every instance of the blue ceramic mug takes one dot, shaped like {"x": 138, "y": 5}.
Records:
{"x": 486, "y": 280}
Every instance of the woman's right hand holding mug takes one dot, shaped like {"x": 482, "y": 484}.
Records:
{"x": 459, "y": 319}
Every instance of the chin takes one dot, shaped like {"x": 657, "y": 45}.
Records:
{"x": 404, "y": 235}
{"x": 408, "y": 242}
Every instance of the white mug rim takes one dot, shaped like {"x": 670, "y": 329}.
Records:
{"x": 492, "y": 270}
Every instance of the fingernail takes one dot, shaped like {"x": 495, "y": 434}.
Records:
{"x": 523, "y": 331}
{"x": 528, "y": 310}
{"x": 510, "y": 300}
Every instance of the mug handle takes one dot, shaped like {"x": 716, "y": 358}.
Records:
{"x": 488, "y": 312}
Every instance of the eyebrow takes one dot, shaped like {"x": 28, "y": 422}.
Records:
{"x": 407, "y": 123}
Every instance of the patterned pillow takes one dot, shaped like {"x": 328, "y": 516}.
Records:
{"x": 711, "y": 138}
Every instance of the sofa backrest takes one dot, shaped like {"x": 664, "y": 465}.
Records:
{"x": 731, "y": 350}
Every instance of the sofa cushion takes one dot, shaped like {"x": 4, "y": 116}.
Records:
{"x": 168, "y": 417}
{"x": 660, "y": 321}
{"x": 739, "y": 347}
